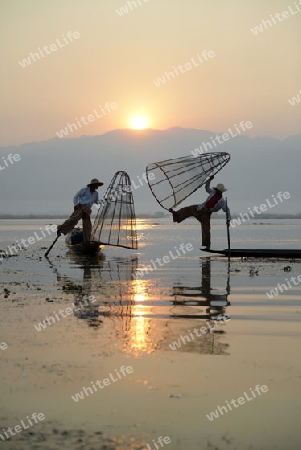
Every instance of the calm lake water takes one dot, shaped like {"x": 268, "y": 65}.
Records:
{"x": 135, "y": 320}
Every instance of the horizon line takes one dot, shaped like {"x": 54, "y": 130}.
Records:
{"x": 134, "y": 131}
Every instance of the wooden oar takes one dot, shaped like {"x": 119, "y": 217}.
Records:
{"x": 228, "y": 228}
{"x": 51, "y": 246}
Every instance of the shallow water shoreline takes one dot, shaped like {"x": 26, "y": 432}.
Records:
{"x": 133, "y": 322}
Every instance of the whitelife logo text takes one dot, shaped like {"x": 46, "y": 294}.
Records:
{"x": 183, "y": 68}
{"x": 85, "y": 120}
{"x": 129, "y": 7}
{"x": 259, "y": 209}
{"x": 280, "y": 17}
{"x": 205, "y": 146}
{"x": 17, "y": 428}
{"x": 33, "y": 57}
{"x": 241, "y": 401}
{"x": 102, "y": 384}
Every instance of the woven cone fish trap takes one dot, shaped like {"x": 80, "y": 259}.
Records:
{"x": 173, "y": 180}
{"x": 115, "y": 223}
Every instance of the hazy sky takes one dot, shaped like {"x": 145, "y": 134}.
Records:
{"x": 116, "y": 58}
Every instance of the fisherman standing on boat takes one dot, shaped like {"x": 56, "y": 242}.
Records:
{"x": 202, "y": 213}
{"x": 83, "y": 201}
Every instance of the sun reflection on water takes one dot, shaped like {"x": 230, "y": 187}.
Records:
{"x": 139, "y": 336}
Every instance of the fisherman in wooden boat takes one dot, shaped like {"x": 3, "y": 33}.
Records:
{"x": 202, "y": 212}
{"x": 83, "y": 201}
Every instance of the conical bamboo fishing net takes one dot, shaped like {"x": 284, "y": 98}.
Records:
{"x": 173, "y": 180}
{"x": 115, "y": 223}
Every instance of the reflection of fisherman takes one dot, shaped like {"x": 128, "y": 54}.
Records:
{"x": 83, "y": 201}
{"x": 85, "y": 305}
{"x": 207, "y": 325}
{"x": 202, "y": 212}
{"x": 214, "y": 299}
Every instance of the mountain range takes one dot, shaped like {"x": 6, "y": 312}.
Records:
{"x": 48, "y": 174}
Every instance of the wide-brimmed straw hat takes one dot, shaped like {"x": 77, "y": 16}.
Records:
{"x": 220, "y": 187}
{"x": 95, "y": 182}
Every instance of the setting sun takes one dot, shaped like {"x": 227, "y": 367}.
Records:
{"x": 139, "y": 123}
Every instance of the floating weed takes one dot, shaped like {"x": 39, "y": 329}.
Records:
{"x": 73, "y": 287}
{"x": 6, "y": 293}
{"x": 253, "y": 271}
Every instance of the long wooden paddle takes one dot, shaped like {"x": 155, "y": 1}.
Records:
{"x": 51, "y": 246}
{"x": 228, "y": 228}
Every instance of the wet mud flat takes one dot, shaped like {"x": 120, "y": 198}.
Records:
{"x": 136, "y": 321}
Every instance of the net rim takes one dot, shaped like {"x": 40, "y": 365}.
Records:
{"x": 123, "y": 176}
{"x": 225, "y": 155}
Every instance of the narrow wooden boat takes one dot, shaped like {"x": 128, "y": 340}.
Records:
{"x": 73, "y": 240}
{"x": 115, "y": 223}
{"x": 258, "y": 253}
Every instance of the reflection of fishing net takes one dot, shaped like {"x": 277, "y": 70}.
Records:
{"x": 173, "y": 180}
{"x": 115, "y": 223}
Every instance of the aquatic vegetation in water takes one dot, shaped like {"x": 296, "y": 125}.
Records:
{"x": 73, "y": 287}
{"x": 6, "y": 293}
{"x": 253, "y": 271}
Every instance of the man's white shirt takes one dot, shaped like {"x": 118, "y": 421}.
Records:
{"x": 86, "y": 197}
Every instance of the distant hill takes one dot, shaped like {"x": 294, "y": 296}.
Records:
{"x": 49, "y": 173}
{"x": 143, "y": 216}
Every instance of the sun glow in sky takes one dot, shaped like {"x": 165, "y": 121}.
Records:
{"x": 139, "y": 123}
{"x": 160, "y": 83}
